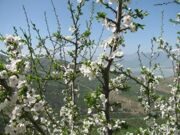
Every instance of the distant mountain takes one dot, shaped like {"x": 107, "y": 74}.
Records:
{"x": 132, "y": 61}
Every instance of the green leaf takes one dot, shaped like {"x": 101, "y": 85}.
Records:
{"x": 177, "y": 1}
{"x": 3, "y": 95}
{"x": 1, "y": 66}
{"x": 87, "y": 33}
{"x": 22, "y": 91}
{"x": 2, "y": 38}
{"x": 138, "y": 25}
{"x": 101, "y": 15}
{"x": 174, "y": 21}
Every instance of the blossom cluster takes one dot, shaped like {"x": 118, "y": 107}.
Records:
{"x": 27, "y": 110}
{"x": 24, "y": 107}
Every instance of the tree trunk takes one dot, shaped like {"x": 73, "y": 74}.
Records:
{"x": 107, "y": 105}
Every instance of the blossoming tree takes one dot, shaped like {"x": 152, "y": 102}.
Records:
{"x": 23, "y": 79}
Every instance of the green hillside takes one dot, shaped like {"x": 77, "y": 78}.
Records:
{"x": 130, "y": 110}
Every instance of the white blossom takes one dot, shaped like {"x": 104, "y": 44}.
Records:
{"x": 116, "y": 54}
{"x": 10, "y": 39}
{"x": 127, "y": 20}
{"x": 113, "y": 1}
{"x": 27, "y": 66}
{"x": 80, "y": 1}
{"x": 109, "y": 25}
{"x": 13, "y": 65}
{"x": 3, "y": 74}
{"x": 133, "y": 27}
{"x": 13, "y": 81}
{"x": 89, "y": 71}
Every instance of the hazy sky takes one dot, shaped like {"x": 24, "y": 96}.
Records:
{"x": 11, "y": 14}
